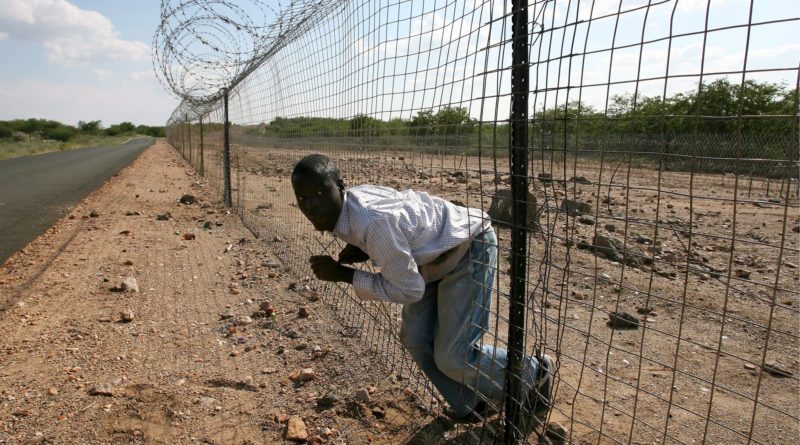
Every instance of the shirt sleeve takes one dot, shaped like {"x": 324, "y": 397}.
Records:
{"x": 399, "y": 280}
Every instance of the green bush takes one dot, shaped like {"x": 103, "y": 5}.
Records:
{"x": 5, "y": 131}
{"x": 121, "y": 128}
{"x": 157, "y": 132}
{"x": 62, "y": 134}
{"x": 91, "y": 127}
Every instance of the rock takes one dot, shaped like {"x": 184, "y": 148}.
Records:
{"x": 644, "y": 310}
{"x": 53, "y": 391}
{"x": 580, "y": 180}
{"x": 189, "y": 236}
{"x": 188, "y": 199}
{"x": 500, "y": 210}
{"x": 796, "y": 228}
{"x": 296, "y": 429}
{"x": 303, "y": 312}
{"x": 129, "y": 285}
{"x": 774, "y": 368}
{"x": 749, "y": 366}
{"x": 616, "y": 250}
{"x": 622, "y": 320}
{"x": 242, "y": 320}
{"x": 267, "y": 307}
{"x": 128, "y": 263}
{"x": 206, "y": 401}
{"x": 303, "y": 375}
{"x": 545, "y": 178}
{"x": 94, "y": 214}
{"x": 102, "y": 389}
{"x": 586, "y": 219}
{"x": 742, "y": 273}
{"x": 610, "y": 227}
{"x": 362, "y": 395}
{"x": 556, "y": 433}
{"x": 126, "y": 315}
{"x": 328, "y": 400}
{"x": 164, "y": 217}
{"x": 574, "y": 208}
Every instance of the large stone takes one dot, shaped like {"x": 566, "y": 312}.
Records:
{"x": 500, "y": 210}
{"x": 575, "y": 208}
{"x": 615, "y": 250}
{"x": 296, "y": 429}
{"x": 129, "y": 285}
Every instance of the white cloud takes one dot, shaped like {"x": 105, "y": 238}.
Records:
{"x": 776, "y": 51}
{"x": 69, "y": 34}
{"x": 101, "y": 74}
{"x": 143, "y": 76}
{"x": 3, "y": 35}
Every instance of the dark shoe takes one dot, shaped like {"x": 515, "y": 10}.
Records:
{"x": 540, "y": 398}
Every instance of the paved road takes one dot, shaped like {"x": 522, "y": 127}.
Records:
{"x": 35, "y": 191}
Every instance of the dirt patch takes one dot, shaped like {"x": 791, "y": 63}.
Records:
{"x": 200, "y": 361}
{"x": 190, "y": 357}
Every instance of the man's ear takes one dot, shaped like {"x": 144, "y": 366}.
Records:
{"x": 340, "y": 184}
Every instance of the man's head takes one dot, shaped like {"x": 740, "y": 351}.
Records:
{"x": 319, "y": 190}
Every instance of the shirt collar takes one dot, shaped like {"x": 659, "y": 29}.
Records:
{"x": 342, "y": 227}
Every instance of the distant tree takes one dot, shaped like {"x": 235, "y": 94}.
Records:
{"x": 121, "y": 128}
{"x": 62, "y": 133}
{"x": 158, "y": 132}
{"x": 453, "y": 121}
{"x": 363, "y": 125}
{"x": 5, "y": 130}
{"x": 397, "y": 127}
{"x": 423, "y": 123}
{"x": 91, "y": 127}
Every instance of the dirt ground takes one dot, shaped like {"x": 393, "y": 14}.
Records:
{"x": 190, "y": 358}
{"x": 718, "y": 301}
{"x": 715, "y": 287}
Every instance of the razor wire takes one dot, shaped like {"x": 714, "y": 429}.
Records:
{"x": 202, "y": 47}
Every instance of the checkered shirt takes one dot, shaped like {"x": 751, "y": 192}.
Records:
{"x": 400, "y": 231}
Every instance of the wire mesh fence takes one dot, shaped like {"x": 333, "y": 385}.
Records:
{"x": 660, "y": 247}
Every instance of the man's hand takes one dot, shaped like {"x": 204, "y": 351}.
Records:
{"x": 352, "y": 254}
{"x": 326, "y": 269}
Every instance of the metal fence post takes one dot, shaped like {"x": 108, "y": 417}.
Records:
{"x": 227, "y": 155}
{"x": 519, "y": 233}
{"x": 189, "y": 130}
{"x": 202, "y": 160}
{"x": 183, "y": 135}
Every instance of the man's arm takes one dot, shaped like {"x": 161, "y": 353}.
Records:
{"x": 352, "y": 254}
{"x": 399, "y": 280}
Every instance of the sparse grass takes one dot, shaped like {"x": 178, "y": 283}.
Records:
{"x": 13, "y": 149}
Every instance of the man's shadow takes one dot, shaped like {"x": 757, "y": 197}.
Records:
{"x": 442, "y": 430}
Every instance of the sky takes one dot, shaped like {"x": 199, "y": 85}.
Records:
{"x": 81, "y": 60}
{"x": 84, "y": 60}
{"x": 394, "y": 58}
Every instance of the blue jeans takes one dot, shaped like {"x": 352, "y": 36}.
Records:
{"x": 443, "y": 332}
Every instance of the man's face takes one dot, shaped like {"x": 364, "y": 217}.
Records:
{"x": 319, "y": 198}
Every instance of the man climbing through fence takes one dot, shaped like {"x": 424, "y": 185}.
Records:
{"x": 438, "y": 260}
